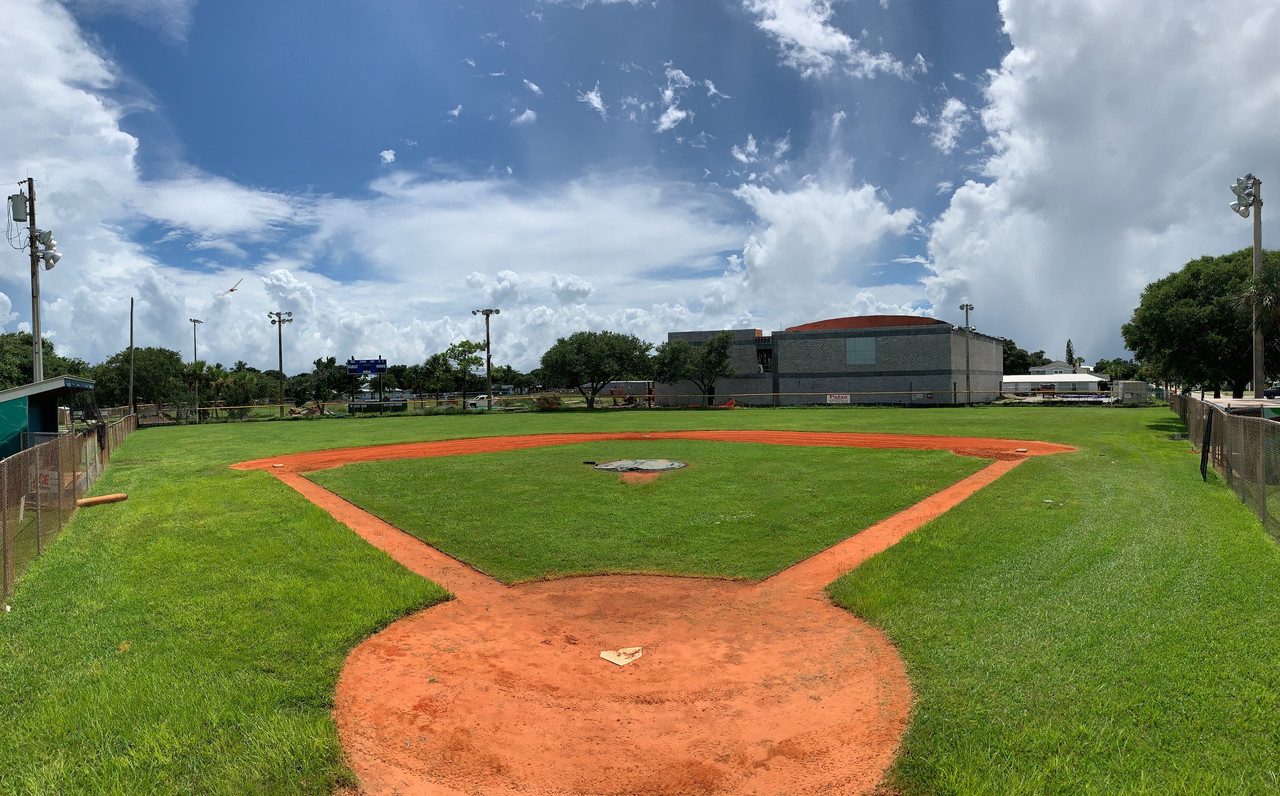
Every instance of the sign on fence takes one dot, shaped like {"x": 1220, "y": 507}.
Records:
{"x": 837, "y": 398}
{"x": 44, "y": 482}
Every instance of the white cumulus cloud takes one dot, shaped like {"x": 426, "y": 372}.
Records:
{"x": 1110, "y": 157}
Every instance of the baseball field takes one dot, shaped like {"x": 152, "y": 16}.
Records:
{"x": 1086, "y": 620}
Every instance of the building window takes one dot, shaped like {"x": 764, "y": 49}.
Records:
{"x": 860, "y": 351}
{"x": 764, "y": 358}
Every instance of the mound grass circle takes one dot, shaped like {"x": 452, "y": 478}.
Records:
{"x": 738, "y": 510}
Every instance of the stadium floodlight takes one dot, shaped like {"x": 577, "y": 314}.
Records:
{"x": 968, "y": 393}
{"x": 1248, "y": 191}
{"x": 488, "y": 359}
{"x": 278, "y": 320}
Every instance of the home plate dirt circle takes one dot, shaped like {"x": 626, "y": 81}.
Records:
{"x": 739, "y": 688}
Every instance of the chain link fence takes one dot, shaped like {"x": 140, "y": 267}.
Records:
{"x": 1244, "y": 449}
{"x": 39, "y": 488}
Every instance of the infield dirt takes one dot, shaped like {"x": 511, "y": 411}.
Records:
{"x": 762, "y": 688}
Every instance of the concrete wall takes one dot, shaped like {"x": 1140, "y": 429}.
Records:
{"x": 913, "y": 365}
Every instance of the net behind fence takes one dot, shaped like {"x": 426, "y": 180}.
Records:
{"x": 39, "y": 488}
{"x": 1245, "y": 450}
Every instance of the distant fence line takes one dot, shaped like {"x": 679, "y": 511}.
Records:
{"x": 165, "y": 414}
{"x": 1244, "y": 449}
{"x": 39, "y": 487}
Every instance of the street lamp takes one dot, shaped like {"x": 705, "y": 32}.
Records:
{"x": 22, "y": 207}
{"x": 488, "y": 360}
{"x": 1248, "y": 191}
{"x": 195, "y": 357}
{"x": 278, "y": 320}
{"x": 968, "y": 396}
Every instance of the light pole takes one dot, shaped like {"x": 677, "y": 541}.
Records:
{"x": 195, "y": 357}
{"x": 488, "y": 360}
{"x": 278, "y": 320}
{"x": 1248, "y": 191}
{"x": 968, "y": 396}
{"x": 22, "y": 207}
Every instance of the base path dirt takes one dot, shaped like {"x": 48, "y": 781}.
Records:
{"x": 740, "y": 688}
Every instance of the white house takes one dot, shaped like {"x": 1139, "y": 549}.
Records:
{"x": 1052, "y": 382}
{"x": 1058, "y": 366}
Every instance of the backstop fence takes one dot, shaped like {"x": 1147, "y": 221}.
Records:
{"x": 1244, "y": 449}
{"x": 39, "y": 488}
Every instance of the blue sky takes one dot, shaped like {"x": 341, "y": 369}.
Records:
{"x": 381, "y": 169}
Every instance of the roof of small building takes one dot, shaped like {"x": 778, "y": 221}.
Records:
{"x": 1046, "y": 378}
{"x": 866, "y": 322}
{"x": 61, "y": 385}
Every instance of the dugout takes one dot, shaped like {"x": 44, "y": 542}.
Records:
{"x": 29, "y": 414}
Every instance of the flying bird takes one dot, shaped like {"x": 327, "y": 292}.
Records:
{"x": 232, "y": 289}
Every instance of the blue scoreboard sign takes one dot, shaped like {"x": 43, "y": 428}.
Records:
{"x": 358, "y": 367}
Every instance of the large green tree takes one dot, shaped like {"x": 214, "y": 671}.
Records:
{"x": 1189, "y": 327}
{"x": 16, "y": 357}
{"x": 158, "y": 378}
{"x": 704, "y": 364}
{"x": 1118, "y": 369}
{"x": 1018, "y": 362}
{"x": 587, "y": 361}
{"x": 329, "y": 379}
{"x": 464, "y": 355}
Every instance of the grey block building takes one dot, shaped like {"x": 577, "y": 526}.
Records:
{"x": 874, "y": 359}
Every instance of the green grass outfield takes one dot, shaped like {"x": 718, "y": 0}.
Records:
{"x": 737, "y": 510}
{"x": 1124, "y": 638}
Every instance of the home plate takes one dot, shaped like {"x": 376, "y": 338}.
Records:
{"x": 621, "y": 657}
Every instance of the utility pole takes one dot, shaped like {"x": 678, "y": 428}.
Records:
{"x": 968, "y": 395}
{"x": 278, "y": 320}
{"x": 132, "y": 409}
{"x": 1248, "y": 191}
{"x": 195, "y": 357}
{"x": 488, "y": 359}
{"x": 37, "y": 347}
{"x": 22, "y": 207}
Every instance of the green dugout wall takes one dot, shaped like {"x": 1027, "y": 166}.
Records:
{"x": 33, "y": 408}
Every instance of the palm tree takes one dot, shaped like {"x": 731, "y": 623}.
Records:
{"x": 1262, "y": 292}
{"x": 437, "y": 371}
{"x": 219, "y": 380}
{"x": 195, "y": 374}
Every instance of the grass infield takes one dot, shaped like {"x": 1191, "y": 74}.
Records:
{"x": 737, "y": 510}
{"x": 1122, "y": 639}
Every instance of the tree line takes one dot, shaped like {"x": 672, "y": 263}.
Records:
{"x": 1194, "y": 327}
{"x": 162, "y": 377}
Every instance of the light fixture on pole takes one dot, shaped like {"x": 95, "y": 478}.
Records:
{"x": 195, "y": 357}
{"x": 22, "y": 208}
{"x": 1248, "y": 191}
{"x": 967, "y": 307}
{"x": 278, "y": 320}
{"x": 488, "y": 360}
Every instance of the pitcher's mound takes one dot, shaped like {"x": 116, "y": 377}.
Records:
{"x": 640, "y": 465}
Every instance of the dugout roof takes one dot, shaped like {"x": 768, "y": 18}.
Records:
{"x": 34, "y": 408}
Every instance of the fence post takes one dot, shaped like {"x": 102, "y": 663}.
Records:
{"x": 39, "y": 541}
{"x": 75, "y": 454}
{"x": 6, "y": 542}
{"x": 58, "y": 446}
{"x": 1262, "y": 470}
